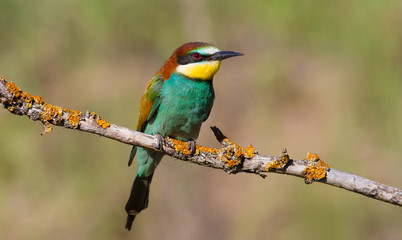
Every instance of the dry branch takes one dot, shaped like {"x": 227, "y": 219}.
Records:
{"x": 231, "y": 158}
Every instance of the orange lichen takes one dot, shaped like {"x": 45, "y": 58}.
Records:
{"x": 13, "y": 89}
{"x": 74, "y": 117}
{"x": 102, "y": 122}
{"x": 316, "y": 169}
{"x": 38, "y": 99}
{"x": 50, "y": 113}
{"x": 232, "y": 155}
{"x": 248, "y": 152}
{"x": 46, "y": 114}
{"x": 26, "y": 97}
{"x": 206, "y": 149}
{"x": 47, "y": 127}
{"x": 280, "y": 163}
{"x": 56, "y": 111}
{"x": 180, "y": 146}
{"x": 18, "y": 93}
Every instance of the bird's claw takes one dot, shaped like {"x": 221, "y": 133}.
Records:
{"x": 160, "y": 141}
{"x": 192, "y": 146}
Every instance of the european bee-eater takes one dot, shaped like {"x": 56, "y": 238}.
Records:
{"x": 175, "y": 103}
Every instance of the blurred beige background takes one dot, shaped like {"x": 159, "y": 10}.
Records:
{"x": 318, "y": 76}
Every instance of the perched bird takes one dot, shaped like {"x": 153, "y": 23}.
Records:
{"x": 175, "y": 103}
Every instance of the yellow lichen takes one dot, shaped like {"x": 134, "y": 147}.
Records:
{"x": 57, "y": 111}
{"x": 280, "y": 163}
{"x": 232, "y": 155}
{"x": 26, "y": 97}
{"x": 316, "y": 169}
{"x": 50, "y": 113}
{"x": 102, "y": 122}
{"x": 180, "y": 146}
{"x": 13, "y": 89}
{"x": 38, "y": 99}
{"x": 47, "y": 127}
{"x": 248, "y": 152}
{"x": 206, "y": 149}
{"x": 18, "y": 93}
{"x": 74, "y": 117}
{"x": 46, "y": 115}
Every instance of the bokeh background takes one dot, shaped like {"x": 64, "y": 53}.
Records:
{"x": 318, "y": 76}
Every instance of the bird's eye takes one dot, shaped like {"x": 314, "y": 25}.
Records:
{"x": 196, "y": 56}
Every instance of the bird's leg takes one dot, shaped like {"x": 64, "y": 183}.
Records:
{"x": 161, "y": 142}
{"x": 192, "y": 146}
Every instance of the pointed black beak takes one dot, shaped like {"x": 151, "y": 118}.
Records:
{"x": 219, "y": 56}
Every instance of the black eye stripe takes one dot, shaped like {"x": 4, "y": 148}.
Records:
{"x": 188, "y": 58}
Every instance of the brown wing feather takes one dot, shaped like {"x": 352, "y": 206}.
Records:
{"x": 149, "y": 101}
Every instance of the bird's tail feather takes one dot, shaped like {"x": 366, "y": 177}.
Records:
{"x": 138, "y": 200}
{"x": 132, "y": 155}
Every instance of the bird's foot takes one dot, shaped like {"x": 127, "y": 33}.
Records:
{"x": 161, "y": 142}
{"x": 192, "y": 146}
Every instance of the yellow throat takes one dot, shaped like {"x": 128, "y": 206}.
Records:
{"x": 200, "y": 70}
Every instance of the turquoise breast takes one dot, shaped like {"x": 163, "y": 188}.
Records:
{"x": 185, "y": 104}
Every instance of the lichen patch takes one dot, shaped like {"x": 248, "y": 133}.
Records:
{"x": 316, "y": 169}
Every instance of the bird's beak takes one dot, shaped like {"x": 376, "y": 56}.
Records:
{"x": 223, "y": 55}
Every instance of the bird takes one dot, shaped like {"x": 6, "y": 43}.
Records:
{"x": 176, "y": 101}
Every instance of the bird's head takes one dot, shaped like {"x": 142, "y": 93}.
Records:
{"x": 195, "y": 60}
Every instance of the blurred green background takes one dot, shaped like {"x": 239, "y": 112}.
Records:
{"x": 318, "y": 76}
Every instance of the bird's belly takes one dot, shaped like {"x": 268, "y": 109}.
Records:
{"x": 182, "y": 121}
